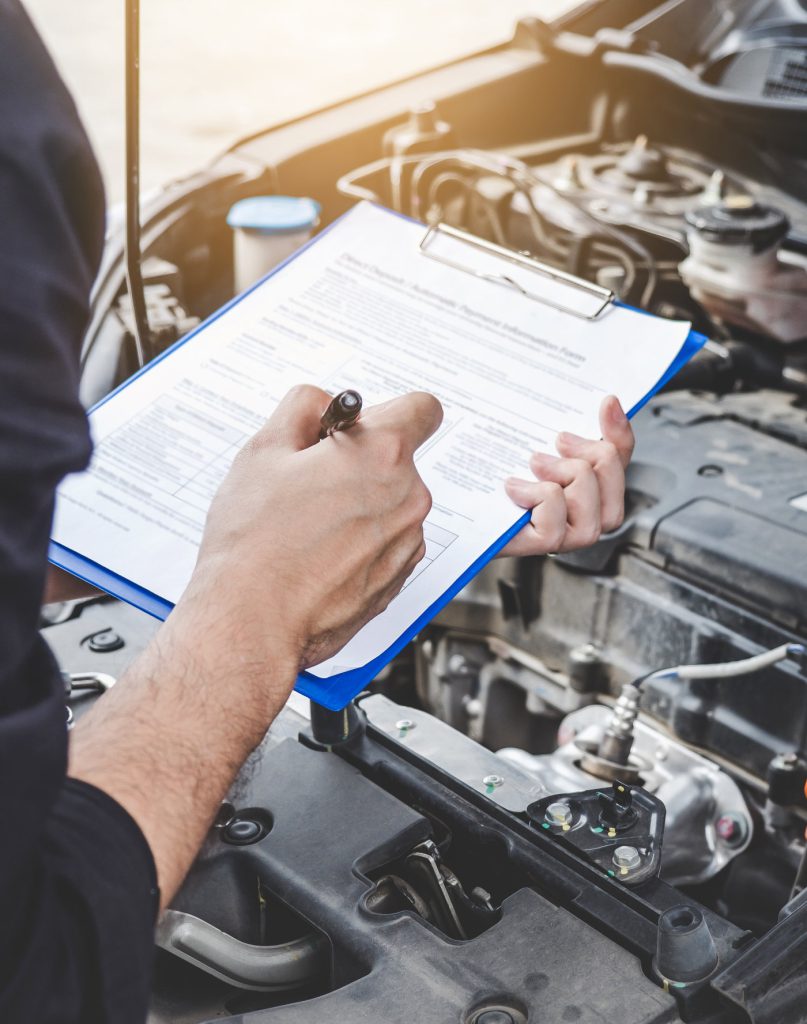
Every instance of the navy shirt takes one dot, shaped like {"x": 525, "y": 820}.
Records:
{"x": 77, "y": 884}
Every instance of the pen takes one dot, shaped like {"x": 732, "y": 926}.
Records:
{"x": 342, "y": 412}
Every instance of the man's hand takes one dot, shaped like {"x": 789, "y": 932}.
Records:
{"x": 578, "y": 496}
{"x": 304, "y": 543}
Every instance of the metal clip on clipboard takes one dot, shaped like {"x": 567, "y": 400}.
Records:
{"x": 533, "y": 279}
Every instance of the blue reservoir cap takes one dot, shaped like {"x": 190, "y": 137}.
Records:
{"x": 274, "y": 215}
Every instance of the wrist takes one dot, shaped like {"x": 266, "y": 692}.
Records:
{"x": 244, "y": 654}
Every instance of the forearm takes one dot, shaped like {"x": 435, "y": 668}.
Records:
{"x": 304, "y": 542}
{"x": 168, "y": 740}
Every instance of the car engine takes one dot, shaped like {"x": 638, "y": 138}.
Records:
{"x": 581, "y": 793}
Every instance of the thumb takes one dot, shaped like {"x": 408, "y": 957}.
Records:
{"x": 616, "y": 429}
{"x": 294, "y": 424}
{"x": 413, "y": 417}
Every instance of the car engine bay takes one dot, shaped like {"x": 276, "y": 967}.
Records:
{"x": 581, "y": 793}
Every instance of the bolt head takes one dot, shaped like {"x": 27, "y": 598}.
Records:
{"x": 473, "y": 707}
{"x": 587, "y": 653}
{"x": 732, "y": 829}
{"x": 457, "y": 664}
{"x": 494, "y": 1017}
{"x": 492, "y": 780}
{"x": 241, "y": 831}
{"x": 405, "y": 724}
{"x": 104, "y": 641}
{"x": 559, "y": 813}
{"x": 627, "y": 857}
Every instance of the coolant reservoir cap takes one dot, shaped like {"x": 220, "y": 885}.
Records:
{"x": 274, "y": 215}
{"x": 740, "y": 221}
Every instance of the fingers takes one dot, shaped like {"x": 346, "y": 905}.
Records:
{"x": 411, "y": 419}
{"x": 608, "y": 458}
{"x": 403, "y": 574}
{"x": 617, "y": 437}
{"x": 546, "y": 531}
{"x": 294, "y": 424}
{"x": 604, "y": 462}
{"x": 581, "y": 491}
{"x": 616, "y": 429}
{"x": 403, "y": 563}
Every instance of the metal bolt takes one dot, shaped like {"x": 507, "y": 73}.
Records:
{"x": 492, "y": 781}
{"x": 626, "y": 858}
{"x": 559, "y": 813}
{"x": 716, "y": 189}
{"x": 473, "y": 707}
{"x": 732, "y": 829}
{"x": 495, "y": 1017}
{"x": 585, "y": 666}
{"x": 457, "y": 665}
{"x": 404, "y": 725}
{"x": 480, "y": 895}
{"x": 241, "y": 831}
{"x": 104, "y": 641}
{"x": 585, "y": 653}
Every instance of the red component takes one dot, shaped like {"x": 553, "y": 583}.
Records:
{"x": 727, "y": 828}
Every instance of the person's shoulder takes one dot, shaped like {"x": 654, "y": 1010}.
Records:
{"x": 34, "y": 101}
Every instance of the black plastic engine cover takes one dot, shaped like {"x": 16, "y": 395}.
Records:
{"x": 330, "y": 827}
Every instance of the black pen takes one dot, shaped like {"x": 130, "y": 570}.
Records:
{"x": 342, "y": 412}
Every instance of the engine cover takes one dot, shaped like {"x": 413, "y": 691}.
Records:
{"x": 331, "y": 828}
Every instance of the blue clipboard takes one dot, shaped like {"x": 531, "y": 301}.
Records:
{"x": 338, "y": 690}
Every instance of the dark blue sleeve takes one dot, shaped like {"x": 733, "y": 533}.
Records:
{"x": 77, "y": 887}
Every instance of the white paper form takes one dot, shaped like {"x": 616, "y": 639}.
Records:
{"x": 361, "y": 308}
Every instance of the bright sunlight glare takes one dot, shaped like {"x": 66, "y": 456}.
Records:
{"x": 213, "y": 71}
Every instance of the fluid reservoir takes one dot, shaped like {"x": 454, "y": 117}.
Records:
{"x": 739, "y": 272}
{"x": 266, "y": 230}
{"x": 423, "y": 132}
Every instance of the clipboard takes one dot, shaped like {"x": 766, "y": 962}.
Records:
{"x": 336, "y": 691}
{"x": 528, "y": 276}
{"x": 589, "y": 302}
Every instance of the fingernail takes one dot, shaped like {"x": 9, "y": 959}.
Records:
{"x": 540, "y": 462}
{"x": 517, "y": 490}
{"x": 616, "y": 412}
{"x": 570, "y": 440}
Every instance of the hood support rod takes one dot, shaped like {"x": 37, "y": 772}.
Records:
{"x": 134, "y": 275}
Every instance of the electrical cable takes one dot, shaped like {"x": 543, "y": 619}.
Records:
{"x": 726, "y": 669}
